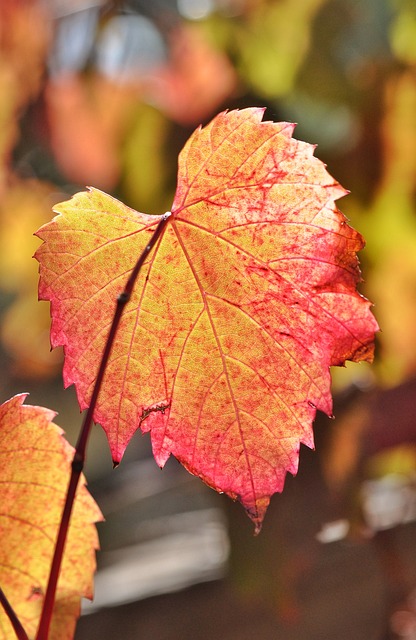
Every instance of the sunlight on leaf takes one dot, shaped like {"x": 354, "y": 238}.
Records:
{"x": 249, "y": 297}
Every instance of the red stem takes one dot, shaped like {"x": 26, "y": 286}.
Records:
{"x": 79, "y": 455}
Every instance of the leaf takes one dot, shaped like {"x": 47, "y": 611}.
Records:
{"x": 35, "y": 469}
{"x": 223, "y": 352}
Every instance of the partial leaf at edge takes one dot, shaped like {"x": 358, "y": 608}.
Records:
{"x": 34, "y": 473}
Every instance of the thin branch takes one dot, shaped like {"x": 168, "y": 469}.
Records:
{"x": 16, "y": 624}
{"x": 79, "y": 455}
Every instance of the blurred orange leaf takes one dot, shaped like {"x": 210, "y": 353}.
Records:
{"x": 24, "y": 39}
{"x": 196, "y": 81}
{"x": 87, "y": 120}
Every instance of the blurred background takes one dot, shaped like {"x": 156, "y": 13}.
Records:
{"x": 106, "y": 94}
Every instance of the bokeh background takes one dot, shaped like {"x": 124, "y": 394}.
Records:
{"x": 106, "y": 94}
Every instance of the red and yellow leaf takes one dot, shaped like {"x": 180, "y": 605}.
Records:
{"x": 223, "y": 352}
{"x": 34, "y": 473}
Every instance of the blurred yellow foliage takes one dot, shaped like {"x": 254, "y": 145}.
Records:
{"x": 390, "y": 230}
{"x": 25, "y": 326}
{"x": 403, "y": 34}
{"x": 273, "y": 43}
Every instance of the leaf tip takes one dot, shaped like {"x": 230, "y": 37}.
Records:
{"x": 257, "y": 512}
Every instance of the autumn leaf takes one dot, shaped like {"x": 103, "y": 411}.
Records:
{"x": 223, "y": 352}
{"x": 35, "y": 469}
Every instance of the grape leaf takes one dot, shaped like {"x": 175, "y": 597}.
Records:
{"x": 34, "y": 473}
{"x": 223, "y": 352}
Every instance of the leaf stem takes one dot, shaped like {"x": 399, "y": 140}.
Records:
{"x": 80, "y": 451}
{"x": 16, "y": 624}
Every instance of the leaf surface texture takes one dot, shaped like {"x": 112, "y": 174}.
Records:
{"x": 223, "y": 352}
